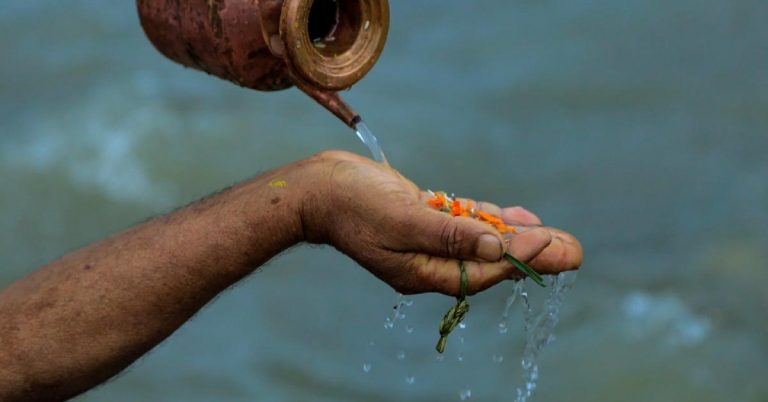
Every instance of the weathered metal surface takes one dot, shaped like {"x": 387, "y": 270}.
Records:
{"x": 266, "y": 44}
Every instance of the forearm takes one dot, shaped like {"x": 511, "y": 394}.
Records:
{"x": 83, "y": 318}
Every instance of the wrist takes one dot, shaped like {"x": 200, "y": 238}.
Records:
{"x": 313, "y": 202}
{"x": 293, "y": 198}
{"x": 322, "y": 194}
{"x": 260, "y": 217}
{"x": 326, "y": 196}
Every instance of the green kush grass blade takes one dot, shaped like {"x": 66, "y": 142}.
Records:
{"x": 456, "y": 314}
{"x": 526, "y": 269}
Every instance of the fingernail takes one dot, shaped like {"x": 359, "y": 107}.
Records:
{"x": 488, "y": 248}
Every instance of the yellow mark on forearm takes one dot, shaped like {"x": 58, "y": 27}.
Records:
{"x": 278, "y": 183}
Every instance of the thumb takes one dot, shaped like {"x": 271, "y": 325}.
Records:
{"x": 438, "y": 234}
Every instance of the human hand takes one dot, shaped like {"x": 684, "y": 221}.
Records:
{"x": 379, "y": 218}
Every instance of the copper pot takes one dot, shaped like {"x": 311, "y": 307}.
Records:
{"x": 321, "y": 46}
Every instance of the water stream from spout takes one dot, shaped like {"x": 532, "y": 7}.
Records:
{"x": 370, "y": 140}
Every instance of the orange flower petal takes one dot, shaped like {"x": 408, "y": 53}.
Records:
{"x": 456, "y": 208}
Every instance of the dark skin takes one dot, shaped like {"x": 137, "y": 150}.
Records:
{"x": 83, "y": 318}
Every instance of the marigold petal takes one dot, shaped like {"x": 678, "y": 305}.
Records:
{"x": 456, "y": 208}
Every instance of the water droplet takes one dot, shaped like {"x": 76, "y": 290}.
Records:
{"x": 526, "y": 364}
{"x": 461, "y": 339}
{"x": 465, "y": 394}
{"x": 460, "y": 357}
{"x": 462, "y": 325}
{"x": 298, "y": 44}
{"x": 367, "y": 25}
{"x": 498, "y": 358}
{"x": 408, "y": 302}
{"x": 440, "y": 358}
{"x": 410, "y": 380}
{"x": 551, "y": 339}
{"x": 409, "y": 329}
{"x": 400, "y": 316}
{"x": 367, "y": 367}
{"x": 503, "y": 328}
{"x": 401, "y": 355}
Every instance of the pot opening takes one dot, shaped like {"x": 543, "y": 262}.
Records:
{"x": 333, "y": 25}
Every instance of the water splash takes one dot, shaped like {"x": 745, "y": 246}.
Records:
{"x": 398, "y": 312}
{"x": 370, "y": 140}
{"x": 528, "y": 311}
{"x": 539, "y": 330}
{"x": 517, "y": 290}
{"x": 401, "y": 355}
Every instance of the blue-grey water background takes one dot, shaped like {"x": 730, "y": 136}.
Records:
{"x": 640, "y": 126}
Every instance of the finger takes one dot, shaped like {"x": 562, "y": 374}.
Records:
{"x": 438, "y": 234}
{"x": 529, "y": 243}
{"x": 564, "y": 253}
{"x": 443, "y": 275}
{"x": 525, "y": 246}
{"x": 547, "y": 250}
{"x": 519, "y": 216}
{"x": 436, "y": 274}
{"x": 484, "y": 206}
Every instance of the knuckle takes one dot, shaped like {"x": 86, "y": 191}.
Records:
{"x": 451, "y": 238}
{"x": 412, "y": 280}
{"x": 428, "y": 276}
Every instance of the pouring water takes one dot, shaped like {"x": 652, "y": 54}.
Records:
{"x": 370, "y": 140}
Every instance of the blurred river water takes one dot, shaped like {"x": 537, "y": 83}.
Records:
{"x": 640, "y": 126}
